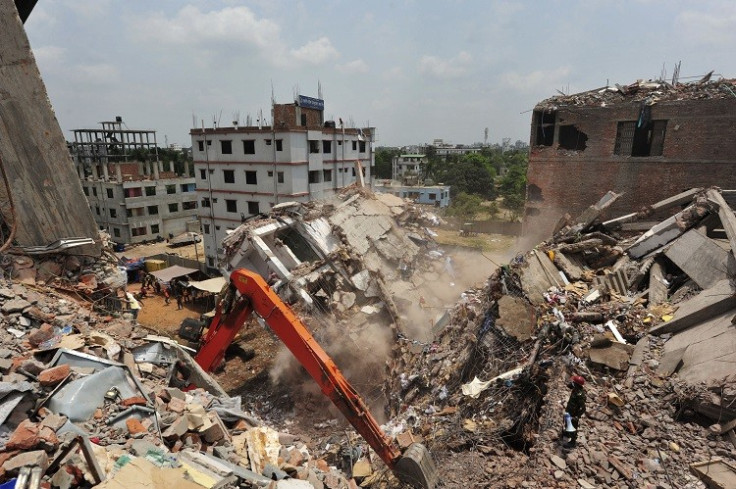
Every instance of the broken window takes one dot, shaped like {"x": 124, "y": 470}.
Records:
{"x": 362, "y": 147}
{"x": 109, "y": 193}
{"x": 280, "y": 177}
{"x": 326, "y": 146}
{"x": 171, "y": 189}
{"x": 229, "y": 176}
{"x": 640, "y": 138}
{"x": 138, "y": 231}
{"x": 279, "y": 145}
{"x": 572, "y": 138}
{"x": 327, "y": 175}
{"x": 150, "y": 191}
{"x": 200, "y": 145}
{"x": 154, "y": 229}
{"x": 231, "y": 205}
{"x": 152, "y": 210}
{"x": 253, "y": 207}
{"x": 113, "y": 213}
{"x": 251, "y": 178}
{"x": 313, "y": 146}
{"x": 174, "y": 207}
{"x": 544, "y": 127}
{"x": 249, "y": 146}
{"x": 188, "y": 206}
{"x": 314, "y": 176}
{"x": 205, "y": 202}
{"x": 226, "y": 146}
{"x": 129, "y": 192}
{"x": 534, "y": 193}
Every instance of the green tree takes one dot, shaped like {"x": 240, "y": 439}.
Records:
{"x": 512, "y": 187}
{"x": 470, "y": 174}
{"x": 465, "y": 206}
{"x": 384, "y": 158}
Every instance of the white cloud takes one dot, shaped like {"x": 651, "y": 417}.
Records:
{"x": 355, "y": 66}
{"x": 715, "y": 27}
{"x": 315, "y": 52}
{"x": 97, "y": 74}
{"x": 535, "y": 80}
{"x": 89, "y": 8}
{"x": 394, "y": 74}
{"x": 446, "y": 68}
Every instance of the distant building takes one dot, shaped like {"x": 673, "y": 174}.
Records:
{"x": 242, "y": 171}
{"x": 408, "y": 168}
{"x": 130, "y": 192}
{"x": 443, "y": 149}
{"x": 647, "y": 140}
{"x": 437, "y": 195}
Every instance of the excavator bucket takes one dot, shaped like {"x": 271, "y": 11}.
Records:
{"x": 416, "y": 467}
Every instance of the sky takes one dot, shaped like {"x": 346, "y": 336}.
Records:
{"x": 417, "y": 70}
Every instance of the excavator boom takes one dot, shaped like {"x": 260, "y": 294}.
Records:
{"x": 414, "y": 467}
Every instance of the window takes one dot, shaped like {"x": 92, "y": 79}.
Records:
{"x": 249, "y": 146}
{"x": 188, "y": 206}
{"x": 203, "y": 174}
{"x": 174, "y": 207}
{"x": 206, "y": 228}
{"x": 362, "y": 147}
{"x": 188, "y": 187}
{"x": 327, "y": 174}
{"x": 226, "y": 146}
{"x": 86, "y": 191}
{"x": 152, "y": 210}
{"x": 544, "y": 127}
{"x": 97, "y": 209}
{"x": 229, "y": 176}
{"x": 109, "y": 193}
{"x": 200, "y": 145}
{"x": 231, "y": 205}
{"x": 314, "y": 176}
{"x": 154, "y": 228}
{"x": 644, "y": 140}
{"x": 250, "y": 178}
{"x": 206, "y": 202}
{"x": 355, "y": 145}
{"x": 326, "y": 146}
{"x": 116, "y": 232}
{"x": 352, "y": 169}
{"x": 94, "y": 191}
{"x": 432, "y": 196}
{"x": 280, "y": 177}
{"x": 279, "y": 145}
{"x": 572, "y": 138}
{"x": 313, "y": 146}
{"x": 253, "y": 208}
{"x": 113, "y": 213}
{"x": 304, "y": 119}
{"x": 150, "y": 191}
{"x": 270, "y": 173}
{"x": 138, "y": 231}
{"x": 171, "y": 189}
{"x": 269, "y": 142}
{"x": 131, "y": 192}
{"x": 210, "y": 261}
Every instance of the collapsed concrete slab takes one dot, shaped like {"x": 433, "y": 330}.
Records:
{"x": 704, "y": 261}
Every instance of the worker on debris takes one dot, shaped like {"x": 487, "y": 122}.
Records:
{"x": 133, "y": 304}
{"x": 575, "y": 408}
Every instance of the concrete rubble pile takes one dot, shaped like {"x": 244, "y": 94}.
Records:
{"x": 647, "y": 318}
{"x": 87, "y": 400}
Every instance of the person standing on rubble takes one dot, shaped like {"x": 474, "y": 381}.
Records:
{"x": 575, "y": 408}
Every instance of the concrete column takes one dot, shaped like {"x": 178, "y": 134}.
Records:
{"x": 105, "y": 174}
{"x": 118, "y": 172}
{"x": 155, "y": 170}
{"x": 186, "y": 167}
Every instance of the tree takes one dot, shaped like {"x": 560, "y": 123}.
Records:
{"x": 384, "y": 161}
{"x": 465, "y": 206}
{"x": 513, "y": 187}
{"x": 470, "y": 174}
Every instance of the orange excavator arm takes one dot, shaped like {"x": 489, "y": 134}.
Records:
{"x": 415, "y": 466}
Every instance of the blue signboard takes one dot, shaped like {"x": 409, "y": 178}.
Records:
{"x": 311, "y": 103}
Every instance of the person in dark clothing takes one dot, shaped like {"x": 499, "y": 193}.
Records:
{"x": 575, "y": 407}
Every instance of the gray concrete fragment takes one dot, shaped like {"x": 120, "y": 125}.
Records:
{"x": 707, "y": 304}
{"x": 516, "y": 317}
{"x": 699, "y": 257}
{"x": 615, "y": 356}
{"x": 657, "y": 287}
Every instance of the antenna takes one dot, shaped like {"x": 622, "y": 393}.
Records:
{"x": 319, "y": 90}
{"x": 194, "y": 119}
{"x": 676, "y": 73}
{"x": 236, "y": 118}
{"x": 260, "y": 119}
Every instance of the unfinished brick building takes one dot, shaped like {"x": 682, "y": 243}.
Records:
{"x": 648, "y": 140}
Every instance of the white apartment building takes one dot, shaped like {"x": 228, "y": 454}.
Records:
{"x": 408, "y": 168}
{"x": 244, "y": 171}
{"x": 132, "y": 194}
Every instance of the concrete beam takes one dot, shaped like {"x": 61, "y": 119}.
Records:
{"x": 707, "y": 304}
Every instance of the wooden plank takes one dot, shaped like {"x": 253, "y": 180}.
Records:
{"x": 49, "y": 201}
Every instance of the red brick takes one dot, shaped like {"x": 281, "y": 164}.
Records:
{"x": 135, "y": 426}
{"x": 41, "y": 334}
{"x": 24, "y": 437}
{"x": 54, "y": 375}
{"x": 134, "y": 401}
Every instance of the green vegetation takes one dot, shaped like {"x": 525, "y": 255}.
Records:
{"x": 465, "y": 206}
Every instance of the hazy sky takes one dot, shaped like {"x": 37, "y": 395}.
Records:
{"x": 417, "y": 70}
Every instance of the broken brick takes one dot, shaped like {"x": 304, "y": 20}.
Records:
{"x": 39, "y": 335}
{"x": 54, "y": 375}
{"x": 36, "y": 458}
{"x": 177, "y": 405}
{"x": 134, "y": 426}
{"x": 134, "y": 401}
{"x": 24, "y": 437}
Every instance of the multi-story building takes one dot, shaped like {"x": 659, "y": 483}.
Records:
{"x": 132, "y": 194}
{"x": 437, "y": 195}
{"x": 647, "y": 141}
{"x": 242, "y": 171}
{"x": 408, "y": 168}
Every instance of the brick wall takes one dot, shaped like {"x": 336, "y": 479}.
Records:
{"x": 699, "y": 150}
